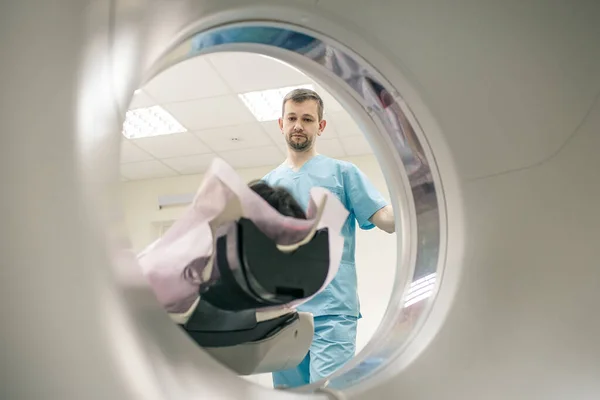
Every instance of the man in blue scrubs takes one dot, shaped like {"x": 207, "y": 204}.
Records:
{"x": 336, "y": 309}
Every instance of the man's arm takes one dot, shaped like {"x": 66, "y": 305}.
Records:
{"x": 384, "y": 219}
{"x": 369, "y": 206}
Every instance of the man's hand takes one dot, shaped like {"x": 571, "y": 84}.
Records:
{"x": 384, "y": 219}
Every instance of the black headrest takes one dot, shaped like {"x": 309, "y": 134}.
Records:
{"x": 254, "y": 273}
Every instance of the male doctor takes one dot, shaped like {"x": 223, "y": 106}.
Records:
{"x": 336, "y": 309}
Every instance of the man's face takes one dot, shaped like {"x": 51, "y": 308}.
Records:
{"x": 300, "y": 124}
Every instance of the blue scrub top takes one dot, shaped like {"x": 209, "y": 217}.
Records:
{"x": 360, "y": 198}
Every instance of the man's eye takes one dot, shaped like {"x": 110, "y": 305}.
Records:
{"x": 307, "y": 120}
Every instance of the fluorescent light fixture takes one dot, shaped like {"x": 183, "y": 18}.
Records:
{"x": 265, "y": 105}
{"x": 148, "y": 122}
{"x": 175, "y": 200}
{"x": 420, "y": 289}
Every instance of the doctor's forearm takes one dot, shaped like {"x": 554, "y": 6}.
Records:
{"x": 384, "y": 219}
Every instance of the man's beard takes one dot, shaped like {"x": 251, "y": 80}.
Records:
{"x": 302, "y": 145}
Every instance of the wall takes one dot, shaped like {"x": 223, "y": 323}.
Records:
{"x": 375, "y": 251}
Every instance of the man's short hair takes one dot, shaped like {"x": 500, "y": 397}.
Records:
{"x": 302, "y": 95}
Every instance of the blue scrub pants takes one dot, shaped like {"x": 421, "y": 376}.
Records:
{"x": 334, "y": 344}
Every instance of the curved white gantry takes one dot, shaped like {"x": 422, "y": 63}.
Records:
{"x": 484, "y": 116}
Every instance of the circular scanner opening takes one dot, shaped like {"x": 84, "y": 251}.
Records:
{"x": 215, "y": 95}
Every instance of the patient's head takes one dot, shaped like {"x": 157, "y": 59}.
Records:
{"x": 278, "y": 198}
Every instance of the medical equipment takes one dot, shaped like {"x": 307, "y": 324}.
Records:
{"x": 217, "y": 248}
{"x": 503, "y": 100}
{"x": 231, "y": 270}
{"x": 253, "y": 274}
{"x": 247, "y": 344}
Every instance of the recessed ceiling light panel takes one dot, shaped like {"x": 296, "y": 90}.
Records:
{"x": 265, "y": 105}
{"x": 148, "y": 122}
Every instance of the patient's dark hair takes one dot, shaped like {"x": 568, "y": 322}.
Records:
{"x": 278, "y": 198}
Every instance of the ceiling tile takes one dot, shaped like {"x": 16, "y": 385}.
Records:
{"x": 356, "y": 145}
{"x": 187, "y": 165}
{"x": 175, "y": 145}
{"x": 146, "y": 170}
{"x": 215, "y": 112}
{"x": 188, "y": 80}
{"x": 272, "y": 129}
{"x": 236, "y": 137}
{"x": 331, "y": 148}
{"x": 283, "y": 148}
{"x": 279, "y": 141}
{"x": 247, "y": 72}
{"x": 141, "y": 100}
{"x": 330, "y": 104}
{"x": 131, "y": 153}
{"x": 249, "y": 158}
{"x": 344, "y": 124}
{"x": 330, "y": 130}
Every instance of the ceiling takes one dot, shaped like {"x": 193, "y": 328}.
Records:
{"x": 202, "y": 94}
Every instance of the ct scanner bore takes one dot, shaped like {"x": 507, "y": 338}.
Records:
{"x": 518, "y": 220}
{"x": 354, "y": 78}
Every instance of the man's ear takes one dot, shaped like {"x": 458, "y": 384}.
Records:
{"x": 281, "y": 124}
{"x": 322, "y": 125}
